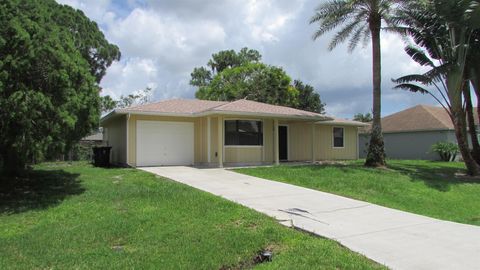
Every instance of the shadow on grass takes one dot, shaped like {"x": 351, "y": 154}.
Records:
{"x": 434, "y": 175}
{"x": 37, "y": 190}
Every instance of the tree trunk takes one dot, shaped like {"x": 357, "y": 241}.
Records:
{"x": 475, "y": 80}
{"x": 471, "y": 123}
{"x": 461, "y": 133}
{"x": 376, "y": 151}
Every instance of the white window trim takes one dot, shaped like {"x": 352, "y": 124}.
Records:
{"x": 244, "y": 146}
{"x": 333, "y": 138}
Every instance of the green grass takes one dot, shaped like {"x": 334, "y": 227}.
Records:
{"x": 424, "y": 187}
{"x": 80, "y": 217}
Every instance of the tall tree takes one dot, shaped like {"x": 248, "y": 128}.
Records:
{"x": 233, "y": 76}
{"x": 361, "y": 21}
{"x": 442, "y": 31}
{"x": 52, "y": 58}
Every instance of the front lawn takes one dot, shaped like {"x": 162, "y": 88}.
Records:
{"x": 80, "y": 217}
{"x": 424, "y": 187}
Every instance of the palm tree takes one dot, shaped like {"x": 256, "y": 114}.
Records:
{"x": 361, "y": 21}
{"x": 444, "y": 33}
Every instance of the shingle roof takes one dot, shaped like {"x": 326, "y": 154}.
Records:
{"x": 248, "y": 106}
{"x": 344, "y": 122}
{"x": 195, "y": 106}
{"x": 419, "y": 118}
{"x": 187, "y": 106}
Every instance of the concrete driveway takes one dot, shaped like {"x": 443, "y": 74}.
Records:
{"x": 397, "y": 239}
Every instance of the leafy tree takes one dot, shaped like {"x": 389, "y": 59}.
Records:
{"x": 107, "y": 103}
{"x": 365, "y": 118}
{"x": 308, "y": 99}
{"x": 138, "y": 98}
{"x": 442, "y": 31}
{"x": 234, "y": 76}
{"x": 51, "y": 60}
{"x": 361, "y": 21}
{"x": 255, "y": 81}
{"x": 231, "y": 59}
{"x": 200, "y": 77}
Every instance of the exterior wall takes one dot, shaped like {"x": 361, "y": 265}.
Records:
{"x": 214, "y": 140}
{"x": 243, "y": 154}
{"x": 324, "y": 146}
{"x": 268, "y": 155}
{"x": 115, "y": 135}
{"x": 409, "y": 145}
{"x": 299, "y": 140}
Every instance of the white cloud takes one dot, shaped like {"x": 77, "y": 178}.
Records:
{"x": 162, "y": 41}
{"x": 128, "y": 76}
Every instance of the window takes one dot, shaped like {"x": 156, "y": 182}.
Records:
{"x": 338, "y": 137}
{"x": 243, "y": 132}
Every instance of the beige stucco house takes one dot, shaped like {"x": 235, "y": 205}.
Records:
{"x": 215, "y": 133}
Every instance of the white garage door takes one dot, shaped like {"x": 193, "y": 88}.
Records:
{"x": 162, "y": 143}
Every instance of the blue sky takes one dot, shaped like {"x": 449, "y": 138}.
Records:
{"x": 163, "y": 40}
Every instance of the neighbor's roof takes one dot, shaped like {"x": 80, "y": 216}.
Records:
{"x": 194, "y": 107}
{"x": 419, "y": 118}
{"x": 98, "y": 136}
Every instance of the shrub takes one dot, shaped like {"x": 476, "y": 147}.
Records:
{"x": 447, "y": 150}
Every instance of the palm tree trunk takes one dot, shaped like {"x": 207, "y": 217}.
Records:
{"x": 471, "y": 123}
{"x": 376, "y": 151}
{"x": 461, "y": 133}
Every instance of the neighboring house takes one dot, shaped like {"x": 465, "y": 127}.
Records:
{"x": 410, "y": 134}
{"x": 214, "y": 133}
{"x": 93, "y": 139}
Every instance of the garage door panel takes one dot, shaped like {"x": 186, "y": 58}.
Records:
{"x": 162, "y": 143}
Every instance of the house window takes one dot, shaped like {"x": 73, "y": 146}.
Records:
{"x": 338, "y": 137}
{"x": 243, "y": 132}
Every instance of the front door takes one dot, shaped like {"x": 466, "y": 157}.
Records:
{"x": 283, "y": 142}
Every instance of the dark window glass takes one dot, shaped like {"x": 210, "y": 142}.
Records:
{"x": 243, "y": 132}
{"x": 338, "y": 137}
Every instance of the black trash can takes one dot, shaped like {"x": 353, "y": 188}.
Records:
{"x": 101, "y": 156}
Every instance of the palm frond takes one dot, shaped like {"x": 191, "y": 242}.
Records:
{"x": 362, "y": 31}
{"x": 437, "y": 74}
{"x": 330, "y": 15}
{"x": 412, "y": 88}
{"x": 419, "y": 56}
{"x": 341, "y": 36}
{"x": 419, "y": 78}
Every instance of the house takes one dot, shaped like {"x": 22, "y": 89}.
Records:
{"x": 217, "y": 133}
{"x": 410, "y": 134}
{"x": 95, "y": 138}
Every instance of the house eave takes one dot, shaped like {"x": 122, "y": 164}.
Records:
{"x": 213, "y": 112}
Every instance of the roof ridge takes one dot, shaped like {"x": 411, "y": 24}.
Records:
{"x": 436, "y": 116}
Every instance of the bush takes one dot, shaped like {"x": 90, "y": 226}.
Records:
{"x": 447, "y": 150}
